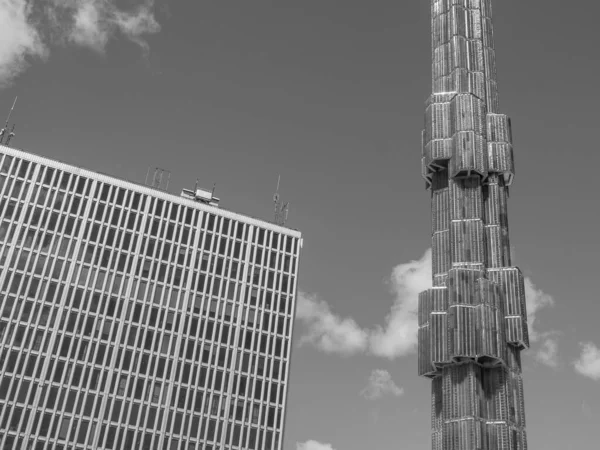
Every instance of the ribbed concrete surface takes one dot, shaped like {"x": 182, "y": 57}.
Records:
{"x": 473, "y": 322}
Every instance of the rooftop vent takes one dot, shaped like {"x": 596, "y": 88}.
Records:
{"x": 201, "y": 195}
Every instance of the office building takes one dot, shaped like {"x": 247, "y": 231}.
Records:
{"x": 132, "y": 318}
{"x": 473, "y": 321}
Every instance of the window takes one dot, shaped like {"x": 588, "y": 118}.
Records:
{"x": 100, "y": 354}
{"x": 160, "y": 371}
{"x": 122, "y": 384}
{"x": 150, "y": 424}
{"x": 23, "y": 169}
{"x": 6, "y": 164}
{"x": 120, "y": 196}
{"x": 156, "y": 393}
{"x": 273, "y": 395}
{"x": 82, "y": 431}
{"x": 177, "y": 423}
{"x": 77, "y": 375}
{"x": 110, "y": 438}
{"x": 134, "y": 413}
{"x": 70, "y": 401}
{"x": 64, "y": 181}
{"x": 45, "y": 424}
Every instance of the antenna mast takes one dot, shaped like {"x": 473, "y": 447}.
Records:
{"x": 4, "y": 133}
{"x": 281, "y": 209}
{"x": 159, "y": 179}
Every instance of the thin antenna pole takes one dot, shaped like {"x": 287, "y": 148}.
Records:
{"x": 11, "y": 111}
{"x": 281, "y": 209}
{"x": 10, "y": 135}
{"x": 4, "y": 133}
{"x": 157, "y": 179}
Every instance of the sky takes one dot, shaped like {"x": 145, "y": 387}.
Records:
{"x": 330, "y": 95}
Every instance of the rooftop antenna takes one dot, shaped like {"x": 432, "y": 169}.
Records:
{"x": 10, "y": 135}
{"x": 281, "y": 209}
{"x": 159, "y": 179}
{"x": 4, "y": 132}
{"x": 168, "y": 180}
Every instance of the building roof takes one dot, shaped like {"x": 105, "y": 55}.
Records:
{"x": 148, "y": 190}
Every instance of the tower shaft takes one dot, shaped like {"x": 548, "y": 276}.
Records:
{"x": 473, "y": 321}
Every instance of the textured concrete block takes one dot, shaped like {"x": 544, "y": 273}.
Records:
{"x": 499, "y": 128}
{"x": 466, "y": 199}
{"x": 467, "y": 242}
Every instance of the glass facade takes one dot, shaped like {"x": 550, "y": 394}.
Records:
{"x": 131, "y": 318}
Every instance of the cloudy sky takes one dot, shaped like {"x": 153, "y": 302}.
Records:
{"x": 330, "y": 94}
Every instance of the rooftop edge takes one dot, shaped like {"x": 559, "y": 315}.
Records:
{"x": 149, "y": 190}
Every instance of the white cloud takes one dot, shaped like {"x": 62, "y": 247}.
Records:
{"x": 547, "y": 354}
{"x": 327, "y": 331}
{"x": 544, "y": 344}
{"x": 398, "y": 336}
{"x": 91, "y": 23}
{"x": 313, "y": 445}
{"x": 88, "y": 28}
{"x": 380, "y": 384}
{"x": 588, "y": 363}
{"x": 28, "y": 27}
{"x": 135, "y": 25}
{"x": 19, "y": 39}
{"x": 536, "y": 300}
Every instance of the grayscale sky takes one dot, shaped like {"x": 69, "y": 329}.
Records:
{"x": 330, "y": 94}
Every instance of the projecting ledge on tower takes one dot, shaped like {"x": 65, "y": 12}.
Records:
{"x": 512, "y": 283}
{"x": 443, "y": 6}
{"x": 463, "y": 322}
{"x": 499, "y": 146}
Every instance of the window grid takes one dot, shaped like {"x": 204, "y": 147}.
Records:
{"x": 186, "y": 327}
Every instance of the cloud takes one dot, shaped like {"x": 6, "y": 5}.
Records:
{"x": 91, "y": 23}
{"x": 398, "y": 335}
{"x": 380, "y": 384}
{"x": 544, "y": 344}
{"x": 536, "y": 300}
{"x": 20, "y": 41}
{"x": 89, "y": 27}
{"x": 313, "y": 445}
{"x": 327, "y": 331}
{"x": 588, "y": 363}
{"x": 29, "y": 27}
{"x": 547, "y": 354}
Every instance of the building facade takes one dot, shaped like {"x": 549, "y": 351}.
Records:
{"x": 132, "y": 318}
{"x": 473, "y": 321}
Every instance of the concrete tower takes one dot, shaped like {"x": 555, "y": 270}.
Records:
{"x": 472, "y": 322}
